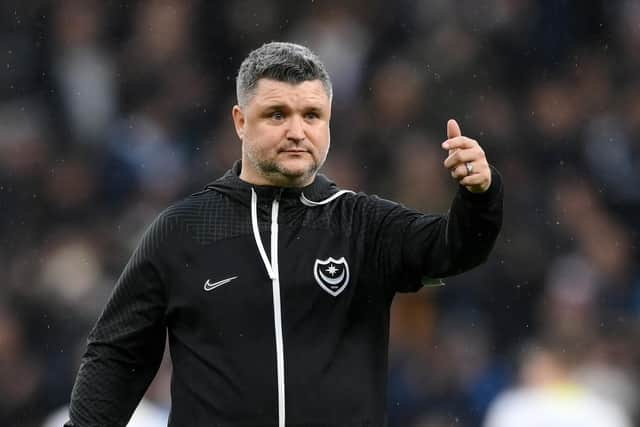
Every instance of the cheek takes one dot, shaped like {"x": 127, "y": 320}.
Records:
{"x": 261, "y": 138}
{"x": 323, "y": 141}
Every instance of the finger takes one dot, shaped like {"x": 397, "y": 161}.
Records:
{"x": 459, "y": 171}
{"x": 476, "y": 180}
{"x": 459, "y": 142}
{"x": 463, "y": 156}
{"x": 479, "y": 168}
{"x": 453, "y": 129}
{"x": 472, "y": 178}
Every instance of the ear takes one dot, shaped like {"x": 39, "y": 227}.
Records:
{"x": 238, "y": 120}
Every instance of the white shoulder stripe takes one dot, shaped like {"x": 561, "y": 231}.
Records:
{"x": 311, "y": 203}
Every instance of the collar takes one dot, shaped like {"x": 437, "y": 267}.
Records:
{"x": 322, "y": 188}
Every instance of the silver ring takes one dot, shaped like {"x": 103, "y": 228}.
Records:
{"x": 469, "y": 166}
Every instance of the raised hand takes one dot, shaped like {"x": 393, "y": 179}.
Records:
{"x": 466, "y": 161}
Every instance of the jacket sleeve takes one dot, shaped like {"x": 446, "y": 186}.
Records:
{"x": 412, "y": 247}
{"x": 125, "y": 347}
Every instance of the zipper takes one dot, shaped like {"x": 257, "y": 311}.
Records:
{"x": 272, "y": 271}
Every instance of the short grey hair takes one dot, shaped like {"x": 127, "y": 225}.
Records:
{"x": 284, "y": 62}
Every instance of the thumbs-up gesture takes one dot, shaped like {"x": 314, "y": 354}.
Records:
{"x": 466, "y": 160}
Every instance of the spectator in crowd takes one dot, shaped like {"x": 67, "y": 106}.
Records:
{"x": 549, "y": 395}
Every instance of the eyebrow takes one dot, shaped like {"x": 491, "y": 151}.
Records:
{"x": 275, "y": 106}
{"x": 281, "y": 106}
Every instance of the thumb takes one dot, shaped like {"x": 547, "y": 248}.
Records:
{"x": 453, "y": 129}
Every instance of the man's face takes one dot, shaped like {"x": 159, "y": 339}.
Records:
{"x": 285, "y": 132}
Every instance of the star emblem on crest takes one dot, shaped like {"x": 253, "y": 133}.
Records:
{"x": 332, "y": 270}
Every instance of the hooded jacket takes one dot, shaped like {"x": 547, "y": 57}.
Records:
{"x": 276, "y": 303}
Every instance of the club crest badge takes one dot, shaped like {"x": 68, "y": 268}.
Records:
{"x": 332, "y": 274}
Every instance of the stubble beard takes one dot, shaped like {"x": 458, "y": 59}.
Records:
{"x": 273, "y": 171}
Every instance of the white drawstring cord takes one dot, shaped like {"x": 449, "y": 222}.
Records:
{"x": 256, "y": 234}
{"x": 272, "y": 269}
{"x": 311, "y": 203}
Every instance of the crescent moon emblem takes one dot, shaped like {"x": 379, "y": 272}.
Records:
{"x": 332, "y": 280}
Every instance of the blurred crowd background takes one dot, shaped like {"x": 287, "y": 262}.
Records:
{"x": 110, "y": 110}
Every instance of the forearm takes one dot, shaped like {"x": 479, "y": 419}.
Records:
{"x": 460, "y": 240}
{"x": 473, "y": 225}
{"x": 108, "y": 387}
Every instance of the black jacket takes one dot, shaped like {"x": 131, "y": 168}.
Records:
{"x": 285, "y": 326}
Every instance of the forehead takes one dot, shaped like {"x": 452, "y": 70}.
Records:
{"x": 269, "y": 91}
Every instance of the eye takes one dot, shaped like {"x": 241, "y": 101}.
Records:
{"x": 311, "y": 115}
{"x": 277, "y": 115}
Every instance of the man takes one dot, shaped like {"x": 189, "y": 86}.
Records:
{"x": 274, "y": 285}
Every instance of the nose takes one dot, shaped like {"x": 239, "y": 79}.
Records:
{"x": 295, "y": 130}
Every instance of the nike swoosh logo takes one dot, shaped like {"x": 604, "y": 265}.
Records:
{"x": 211, "y": 286}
